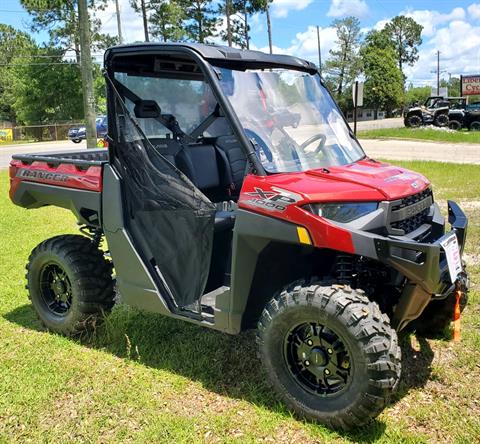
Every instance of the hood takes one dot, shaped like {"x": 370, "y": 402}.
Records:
{"x": 365, "y": 180}
{"x": 391, "y": 181}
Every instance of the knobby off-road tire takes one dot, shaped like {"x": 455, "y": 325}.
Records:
{"x": 455, "y": 125}
{"x": 475, "y": 126}
{"x": 70, "y": 284}
{"x": 414, "y": 121}
{"x": 437, "y": 316}
{"x": 441, "y": 120}
{"x": 357, "y": 340}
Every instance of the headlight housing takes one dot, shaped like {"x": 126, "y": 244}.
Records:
{"x": 343, "y": 211}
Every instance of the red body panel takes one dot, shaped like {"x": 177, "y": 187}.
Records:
{"x": 64, "y": 175}
{"x": 362, "y": 181}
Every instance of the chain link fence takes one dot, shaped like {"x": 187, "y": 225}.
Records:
{"x": 43, "y": 133}
{"x": 35, "y": 133}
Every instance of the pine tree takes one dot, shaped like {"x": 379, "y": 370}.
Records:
{"x": 201, "y": 19}
{"x": 345, "y": 63}
{"x": 166, "y": 20}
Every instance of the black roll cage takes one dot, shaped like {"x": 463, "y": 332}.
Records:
{"x": 207, "y": 57}
{"x": 211, "y": 78}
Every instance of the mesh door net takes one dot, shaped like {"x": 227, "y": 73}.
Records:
{"x": 168, "y": 217}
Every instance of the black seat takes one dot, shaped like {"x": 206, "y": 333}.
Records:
{"x": 199, "y": 164}
{"x": 235, "y": 159}
{"x": 202, "y": 165}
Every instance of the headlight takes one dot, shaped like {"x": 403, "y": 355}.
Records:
{"x": 343, "y": 212}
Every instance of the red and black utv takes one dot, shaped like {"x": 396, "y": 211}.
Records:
{"x": 219, "y": 209}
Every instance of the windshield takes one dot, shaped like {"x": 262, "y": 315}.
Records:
{"x": 290, "y": 118}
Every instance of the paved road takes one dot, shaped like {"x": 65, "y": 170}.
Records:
{"x": 387, "y": 149}
{"x": 6, "y": 151}
{"x": 396, "y": 122}
{"x": 415, "y": 150}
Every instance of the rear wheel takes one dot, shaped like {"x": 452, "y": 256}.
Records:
{"x": 441, "y": 120}
{"x": 454, "y": 125}
{"x": 330, "y": 353}
{"x": 70, "y": 284}
{"x": 414, "y": 121}
{"x": 475, "y": 126}
{"x": 76, "y": 140}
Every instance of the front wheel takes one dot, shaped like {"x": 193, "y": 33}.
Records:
{"x": 455, "y": 125}
{"x": 414, "y": 121}
{"x": 330, "y": 353}
{"x": 475, "y": 126}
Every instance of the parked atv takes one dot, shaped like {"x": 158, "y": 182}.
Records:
{"x": 219, "y": 214}
{"x": 433, "y": 112}
{"x": 465, "y": 116}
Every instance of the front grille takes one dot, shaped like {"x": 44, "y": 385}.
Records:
{"x": 411, "y": 223}
{"x": 413, "y": 199}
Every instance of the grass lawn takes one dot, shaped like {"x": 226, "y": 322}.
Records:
{"x": 422, "y": 134}
{"x": 147, "y": 378}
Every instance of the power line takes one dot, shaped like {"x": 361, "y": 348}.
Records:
{"x": 44, "y": 64}
{"x": 49, "y": 56}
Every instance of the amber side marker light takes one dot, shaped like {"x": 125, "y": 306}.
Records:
{"x": 303, "y": 236}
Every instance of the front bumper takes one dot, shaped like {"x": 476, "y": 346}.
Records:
{"x": 424, "y": 265}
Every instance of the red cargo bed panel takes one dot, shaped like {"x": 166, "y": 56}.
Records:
{"x": 63, "y": 175}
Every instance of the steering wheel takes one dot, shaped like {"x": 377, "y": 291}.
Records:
{"x": 312, "y": 139}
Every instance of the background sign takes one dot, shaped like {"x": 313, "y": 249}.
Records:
{"x": 471, "y": 85}
{"x": 358, "y": 94}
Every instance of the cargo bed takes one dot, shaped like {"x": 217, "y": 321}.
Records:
{"x": 71, "y": 180}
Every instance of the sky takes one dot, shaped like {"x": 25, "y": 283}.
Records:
{"x": 450, "y": 26}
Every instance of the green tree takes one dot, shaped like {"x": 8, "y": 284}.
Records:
{"x": 417, "y": 95}
{"x": 144, "y": 8}
{"x": 60, "y": 19}
{"x": 201, "y": 19}
{"x": 406, "y": 35}
{"x": 15, "y": 47}
{"x": 166, "y": 20}
{"x": 47, "y": 93}
{"x": 344, "y": 64}
{"x": 238, "y": 24}
{"x": 383, "y": 78}
{"x": 453, "y": 85}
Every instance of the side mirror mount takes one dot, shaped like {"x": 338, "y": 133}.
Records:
{"x": 147, "y": 109}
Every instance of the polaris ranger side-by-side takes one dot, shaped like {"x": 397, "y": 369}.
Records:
{"x": 219, "y": 209}
{"x": 433, "y": 112}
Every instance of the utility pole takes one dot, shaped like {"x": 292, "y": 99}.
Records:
{"x": 145, "y": 21}
{"x": 119, "y": 23}
{"x": 269, "y": 27}
{"x": 319, "y": 51}
{"x": 86, "y": 68}
{"x": 438, "y": 73}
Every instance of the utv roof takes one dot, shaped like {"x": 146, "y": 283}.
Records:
{"x": 216, "y": 54}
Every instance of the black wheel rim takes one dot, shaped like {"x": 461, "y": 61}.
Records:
{"x": 415, "y": 121}
{"x": 317, "y": 359}
{"x": 56, "y": 289}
